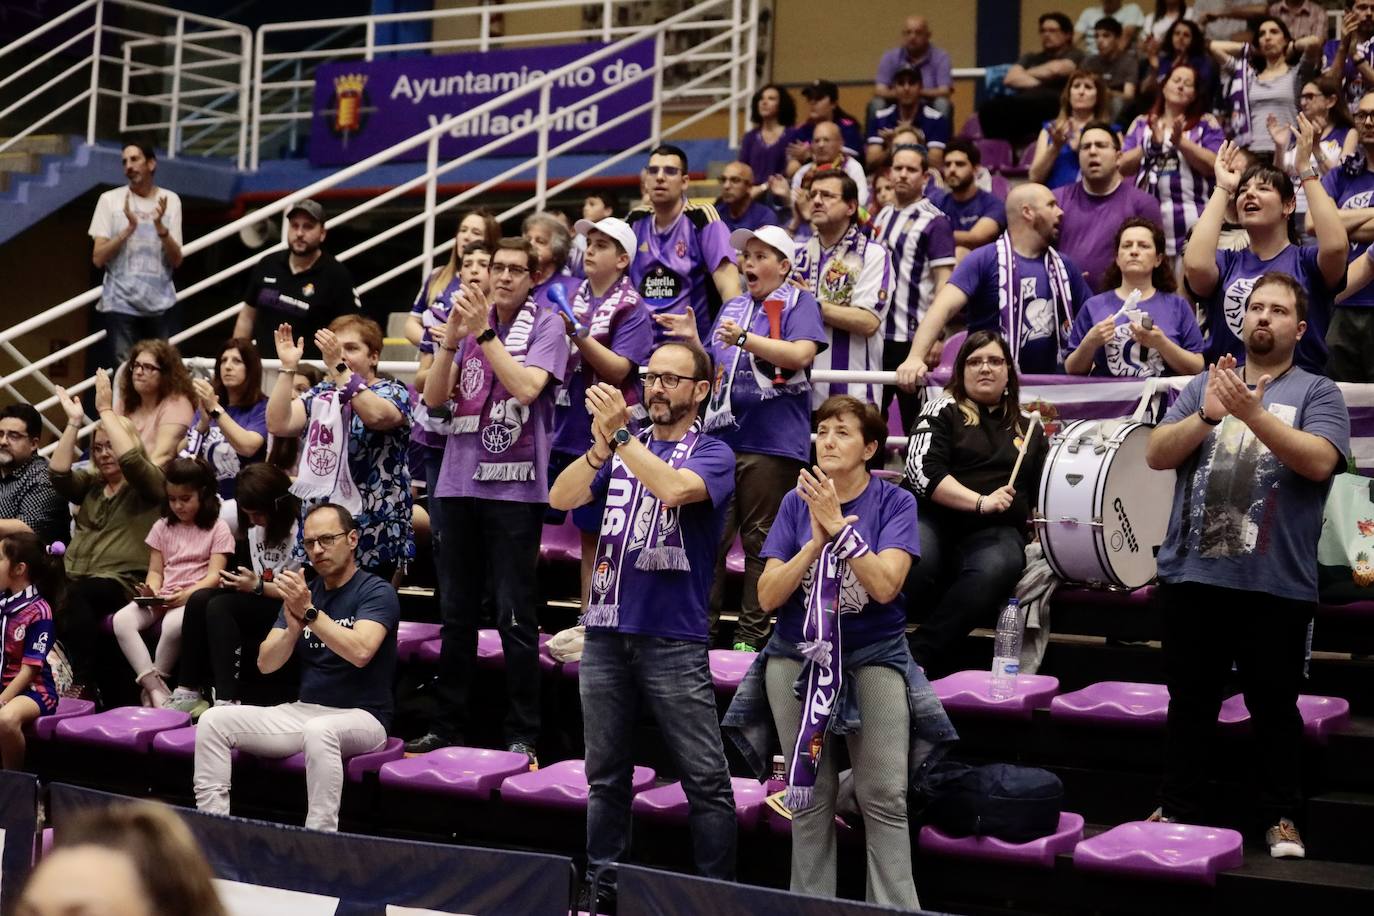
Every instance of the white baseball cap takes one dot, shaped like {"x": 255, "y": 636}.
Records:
{"x": 617, "y": 229}
{"x": 774, "y": 237}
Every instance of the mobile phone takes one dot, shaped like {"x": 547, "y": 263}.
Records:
{"x": 149, "y": 600}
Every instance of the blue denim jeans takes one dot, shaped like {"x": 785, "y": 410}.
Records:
{"x": 670, "y": 678}
{"x": 123, "y": 331}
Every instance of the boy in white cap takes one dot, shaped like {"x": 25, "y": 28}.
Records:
{"x": 612, "y": 335}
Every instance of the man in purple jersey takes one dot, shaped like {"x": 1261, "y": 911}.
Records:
{"x": 1350, "y": 338}
{"x": 684, "y": 258}
{"x": 663, "y": 496}
{"x": 1350, "y": 56}
{"x": 851, "y": 276}
{"x": 1098, "y": 203}
{"x": 976, "y": 216}
{"x": 736, "y": 205}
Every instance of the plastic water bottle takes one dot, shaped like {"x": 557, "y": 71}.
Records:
{"x": 1006, "y": 653}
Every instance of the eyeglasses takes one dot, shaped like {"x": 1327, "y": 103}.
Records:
{"x": 667, "y": 379}
{"x": 992, "y": 362}
{"x": 1363, "y": 115}
{"x": 668, "y": 171}
{"x": 325, "y": 540}
{"x": 145, "y": 367}
{"x": 515, "y": 270}
{"x": 1310, "y": 96}
{"x": 826, "y": 196}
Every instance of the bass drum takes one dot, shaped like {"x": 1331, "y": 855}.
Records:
{"x": 1103, "y": 511}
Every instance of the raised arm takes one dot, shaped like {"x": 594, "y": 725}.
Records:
{"x": 285, "y": 413}
{"x": 1199, "y": 257}
{"x": 1332, "y": 242}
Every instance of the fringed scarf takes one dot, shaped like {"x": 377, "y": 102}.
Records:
{"x": 1238, "y": 96}
{"x": 653, "y": 530}
{"x": 599, "y": 321}
{"x": 743, "y": 310}
{"x": 484, "y": 406}
{"x": 323, "y": 470}
{"x": 1009, "y": 304}
{"x": 823, "y": 672}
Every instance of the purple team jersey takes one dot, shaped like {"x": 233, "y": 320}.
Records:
{"x": 673, "y": 604}
{"x": 964, "y": 215}
{"x": 548, "y": 350}
{"x": 1352, "y": 192}
{"x": 1166, "y": 174}
{"x": 1088, "y": 229}
{"x": 887, "y": 519}
{"x": 1121, "y": 356}
{"x": 672, "y": 270}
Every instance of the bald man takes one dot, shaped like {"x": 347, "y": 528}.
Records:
{"x": 916, "y": 52}
{"x": 1033, "y": 310}
{"x": 736, "y": 206}
{"x": 827, "y": 152}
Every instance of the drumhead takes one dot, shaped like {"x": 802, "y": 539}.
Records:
{"x": 1136, "y": 503}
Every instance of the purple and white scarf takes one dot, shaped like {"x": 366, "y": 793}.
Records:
{"x": 482, "y": 405}
{"x": 599, "y": 321}
{"x": 1238, "y": 97}
{"x": 323, "y": 469}
{"x": 1011, "y": 309}
{"x": 651, "y": 528}
{"x": 742, "y": 310}
{"x": 823, "y": 668}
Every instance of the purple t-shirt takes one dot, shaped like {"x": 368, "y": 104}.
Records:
{"x": 779, "y": 425}
{"x": 1352, "y": 193}
{"x": 966, "y": 214}
{"x": 673, "y": 604}
{"x": 976, "y": 277}
{"x": 756, "y": 217}
{"x": 766, "y": 160}
{"x": 672, "y": 270}
{"x": 222, "y": 457}
{"x": 887, "y": 519}
{"x": 1237, "y": 272}
{"x": 433, "y": 311}
{"x": 1171, "y": 313}
{"x": 548, "y": 350}
{"x": 1088, "y": 229}
{"x": 631, "y": 336}
{"x": 936, "y": 69}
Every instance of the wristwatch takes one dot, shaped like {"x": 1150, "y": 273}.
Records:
{"x": 1202, "y": 415}
{"x": 485, "y": 336}
{"x": 310, "y": 614}
{"x": 619, "y": 437}
{"x": 214, "y": 414}
{"x": 1307, "y": 173}
{"x": 743, "y": 336}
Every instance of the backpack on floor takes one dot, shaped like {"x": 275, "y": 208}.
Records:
{"x": 1012, "y": 803}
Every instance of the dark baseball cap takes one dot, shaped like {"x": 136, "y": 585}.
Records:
{"x": 821, "y": 88}
{"x": 310, "y": 208}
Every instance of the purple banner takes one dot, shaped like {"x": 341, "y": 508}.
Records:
{"x": 362, "y": 108}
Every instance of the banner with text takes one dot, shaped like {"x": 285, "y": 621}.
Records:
{"x": 364, "y": 107}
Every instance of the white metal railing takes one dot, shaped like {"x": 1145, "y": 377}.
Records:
{"x": 725, "y": 16}
{"x": 281, "y": 101}
{"x": 169, "y": 72}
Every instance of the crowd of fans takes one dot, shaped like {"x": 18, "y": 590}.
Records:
{"x": 1175, "y": 162}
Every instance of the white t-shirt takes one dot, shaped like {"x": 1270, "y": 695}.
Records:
{"x": 1129, "y": 16}
{"x": 1159, "y": 28}
{"x": 138, "y": 279}
{"x": 852, "y": 168}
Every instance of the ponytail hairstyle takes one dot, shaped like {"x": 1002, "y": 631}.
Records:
{"x": 46, "y": 569}
{"x": 195, "y": 473}
{"x": 267, "y": 489}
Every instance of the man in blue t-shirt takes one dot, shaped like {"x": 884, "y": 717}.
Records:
{"x": 1255, "y": 448}
{"x": 907, "y": 110}
{"x": 1350, "y": 356}
{"x": 343, "y": 626}
{"x": 977, "y": 216}
{"x": 663, "y": 495}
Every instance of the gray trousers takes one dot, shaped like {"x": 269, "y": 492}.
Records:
{"x": 878, "y": 752}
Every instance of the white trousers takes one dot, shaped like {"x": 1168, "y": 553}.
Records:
{"x": 327, "y": 734}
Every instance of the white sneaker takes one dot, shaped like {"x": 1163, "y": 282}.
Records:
{"x": 1284, "y": 841}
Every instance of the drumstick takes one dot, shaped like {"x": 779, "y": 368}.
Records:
{"x": 1025, "y": 444}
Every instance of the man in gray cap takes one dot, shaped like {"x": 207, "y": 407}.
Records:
{"x": 303, "y": 286}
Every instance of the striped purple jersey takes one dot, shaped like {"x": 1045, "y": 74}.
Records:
{"x": 857, "y": 273}
{"x": 1181, "y": 189}
{"x": 920, "y": 239}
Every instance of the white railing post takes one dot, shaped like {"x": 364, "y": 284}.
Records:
{"x": 734, "y": 72}
{"x": 484, "y": 30}
{"x": 607, "y": 18}
{"x": 656, "y": 120}
{"x": 124, "y": 88}
{"x": 174, "y": 118}
{"x": 541, "y": 181}
{"x": 371, "y": 47}
{"x": 295, "y": 101}
{"x": 431, "y": 198}
{"x": 752, "y": 63}
{"x": 246, "y": 47}
{"x": 95, "y": 73}
{"x": 255, "y": 127}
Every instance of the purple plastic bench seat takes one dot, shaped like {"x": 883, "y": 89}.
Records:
{"x": 427, "y": 652}
{"x": 550, "y": 664}
{"x": 668, "y": 804}
{"x": 561, "y": 785}
{"x": 128, "y": 727}
{"x": 67, "y": 708}
{"x": 181, "y": 742}
{"x": 1353, "y": 609}
{"x": 1170, "y": 852}
{"x": 1117, "y": 703}
{"x": 728, "y": 668}
{"x": 734, "y": 560}
{"x": 464, "y": 772}
{"x": 1320, "y": 715}
{"x": 967, "y": 692}
{"x": 1038, "y": 853}
{"x": 1103, "y": 597}
{"x": 355, "y": 767}
{"x": 411, "y": 635}
{"x": 490, "y": 653}
{"x": 561, "y": 543}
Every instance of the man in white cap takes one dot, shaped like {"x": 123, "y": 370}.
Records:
{"x": 763, "y": 344}
{"x": 612, "y": 335}
{"x": 851, "y": 276}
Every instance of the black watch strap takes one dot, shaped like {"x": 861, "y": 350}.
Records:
{"x": 486, "y": 335}
{"x": 1202, "y": 415}
{"x": 310, "y": 614}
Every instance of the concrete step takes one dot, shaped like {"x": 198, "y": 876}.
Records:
{"x": 42, "y": 144}
{"x": 11, "y": 161}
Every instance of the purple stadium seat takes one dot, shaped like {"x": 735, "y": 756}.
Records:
{"x": 1320, "y": 715}
{"x": 427, "y": 652}
{"x": 410, "y": 635}
{"x": 463, "y": 772}
{"x": 561, "y": 785}
{"x": 951, "y": 350}
{"x": 1039, "y": 853}
{"x": 972, "y": 129}
{"x": 1104, "y": 598}
{"x": 1000, "y": 186}
{"x": 490, "y": 653}
{"x": 67, "y": 708}
{"x": 728, "y": 668}
{"x": 894, "y": 423}
{"x": 967, "y": 692}
{"x": 355, "y": 767}
{"x": 129, "y": 727}
{"x": 45, "y": 844}
{"x": 550, "y": 664}
{"x": 1022, "y": 167}
{"x": 1167, "y": 852}
{"x": 734, "y": 560}
{"x": 1353, "y": 609}
{"x": 181, "y": 742}
{"x": 561, "y": 543}
{"x": 781, "y": 826}
{"x": 668, "y": 804}
{"x": 1115, "y": 703}
{"x": 996, "y": 155}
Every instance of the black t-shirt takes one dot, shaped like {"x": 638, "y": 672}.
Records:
{"x": 308, "y": 300}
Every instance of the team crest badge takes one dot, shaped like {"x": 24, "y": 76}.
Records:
{"x": 350, "y": 110}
